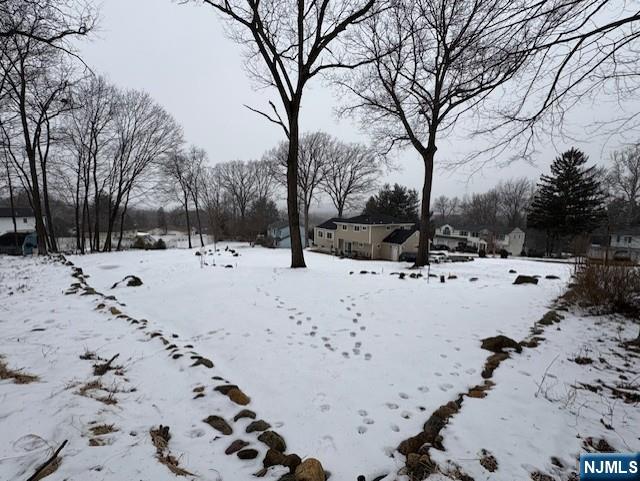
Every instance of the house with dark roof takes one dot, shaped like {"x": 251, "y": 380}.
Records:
{"x": 623, "y": 245}
{"x": 25, "y": 220}
{"x": 367, "y": 237}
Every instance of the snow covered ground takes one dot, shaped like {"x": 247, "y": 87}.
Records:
{"x": 343, "y": 365}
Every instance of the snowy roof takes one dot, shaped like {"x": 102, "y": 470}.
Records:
{"x": 372, "y": 219}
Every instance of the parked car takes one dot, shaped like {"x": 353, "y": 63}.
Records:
{"x": 467, "y": 249}
{"x": 18, "y": 244}
{"x": 439, "y": 247}
{"x": 407, "y": 257}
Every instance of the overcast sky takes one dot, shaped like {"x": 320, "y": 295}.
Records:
{"x": 180, "y": 55}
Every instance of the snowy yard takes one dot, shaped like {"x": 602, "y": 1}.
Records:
{"x": 343, "y": 365}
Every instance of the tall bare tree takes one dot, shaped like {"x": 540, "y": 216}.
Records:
{"x": 175, "y": 183}
{"x": 313, "y": 159}
{"x": 514, "y": 197}
{"x": 351, "y": 172}
{"x": 144, "y": 134}
{"x": 624, "y": 178}
{"x": 445, "y": 207}
{"x": 435, "y": 61}
{"x": 288, "y": 44}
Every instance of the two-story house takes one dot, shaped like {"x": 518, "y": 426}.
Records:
{"x": 25, "y": 220}
{"x": 367, "y": 236}
{"x": 480, "y": 238}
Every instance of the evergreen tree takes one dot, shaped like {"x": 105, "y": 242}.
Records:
{"x": 569, "y": 202}
{"x": 399, "y": 202}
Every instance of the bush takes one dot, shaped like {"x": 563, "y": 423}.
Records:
{"x": 608, "y": 289}
{"x": 141, "y": 243}
{"x": 160, "y": 245}
{"x": 504, "y": 254}
{"x": 482, "y": 254}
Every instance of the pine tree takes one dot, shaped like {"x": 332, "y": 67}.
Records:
{"x": 399, "y": 202}
{"x": 569, "y": 202}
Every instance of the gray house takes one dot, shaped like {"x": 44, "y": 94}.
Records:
{"x": 279, "y": 236}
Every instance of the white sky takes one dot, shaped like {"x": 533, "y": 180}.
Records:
{"x": 180, "y": 55}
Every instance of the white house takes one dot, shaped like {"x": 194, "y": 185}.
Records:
{"x": 624, "y": 245}
{"x": 25, "y": 220}
{"x": 480, "y": 238}
{"x": 449, "y": 236}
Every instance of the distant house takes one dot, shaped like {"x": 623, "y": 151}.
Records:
{"x": 25, "y": 220}
{"x": 447, "y": 235}
{"x": 624, "y": 245}
{"x": 367, "y": 237}
{"x": 279, "y": 236}
{"x": 480, "y": 238}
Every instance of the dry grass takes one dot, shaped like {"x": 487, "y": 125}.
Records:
{"x": 607, "y": 289}
{"x": 17, "y": 376}
{"x": 160, "y": 438}
{"x": 102, "y": 429}
{"x": 49, "y": 470}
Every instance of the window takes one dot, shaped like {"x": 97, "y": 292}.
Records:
{"x": 356, "y": 228}
{"x": 364, "y": 227}
{"x": 475, "y": 234}
{"x": 329, "y": 235}
{"x": 464, "y": 233}
{"x": 628, "y": 239}
{"x": 321, "y": 234}
{"x": 618, "y": 239}
{"x": 344, "y": 227}
{"x": 446, "y": 231}
{"x": 388, "y": 227}
{"x": 24, "y": 220}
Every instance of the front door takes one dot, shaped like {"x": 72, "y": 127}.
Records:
{"x": 348, "y": 247}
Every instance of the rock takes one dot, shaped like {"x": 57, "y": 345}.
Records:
{"x": 202, "y": 361}
{"x": 412, "y": 444}
{"x": 248, "y": 454}
{"x": 488, "y": 461}
{"x": 499, "y": 343}
{"x": 292, "y": 461}
{"x": 550, "y": 317}
{"x": 287, "y": 477}
{"x": 273, "y": 458}
{"x": 512, "y": 271}
{"x": 236, "y": 446}
{"x": 310, "y": 470}
{"x": 219, "y": 424}
{"x": 473, "y": 279}
{"x": 492, "y": 363}
{"x": 273, "y": 440}
{"x": 551, "y": 277}
{"x": 259, "y": 425}
{"x": 238, "y": 397}
{"x": 245, "y": 413}
{"x": 225, "y": 388}
{"x": 452, "y": 276}
{"x": 525, "y": 280}
{"x": 129, "y": 281}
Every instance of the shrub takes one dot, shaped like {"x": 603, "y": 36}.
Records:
{"x": 160, "y": 245}
{"x": 608, "y": 289}
{"x": 140, "y": 243}
{"x": 504, "y": 253}
{"x": 482, "y": 254}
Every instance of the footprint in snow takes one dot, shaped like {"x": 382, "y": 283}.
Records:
{"x": 395, "y": 428}
{"x": 356, "y": 351}
{"x": 443, "y": 356}
{"x": 470, "y": 371}
{"x": 358, "y": 344}
{"x": 445, "y": 387}
{"x": 363, "y": 328}
{"x": 352, "y": 334}
{"x": 325, "y": 407}
{"x": 312, "y": 333}
{"x": 362, "y": 429}
{"x": 345, "y": 354}
{"x": 355, "y": 321}
{"x": 439, "y": 374}
{"x": 367, "y": 356}
{"x": 406, "y": 415}
{"x": 403, "y": 395}
{"x": 299, "y": 323}
{"x": 368, "y": 421}
{"x": 362, "y": 412}
{"x": 423, "y": 389}
{"x": 348, "y": 308}
{"x": 392, "y": 406}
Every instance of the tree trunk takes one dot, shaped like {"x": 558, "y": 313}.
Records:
{"x": 186, "y": 211}
{"x": 297, "y": 252}
{"x": 306, "y": 223}
{"x": 422, "y": 258}
{"x": 47, "y": 209}
{"x": 122, "y": 216}
{"x": 195, "y": 201}
{"x": 13, "y": 208}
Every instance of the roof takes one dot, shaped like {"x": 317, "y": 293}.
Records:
{"x": 631, "y": 230}
{"x": 400, "y": 236}
{"x": 20, "y": 212}
{"x": 372, "y": 220}
{"x": 329, "y": 224}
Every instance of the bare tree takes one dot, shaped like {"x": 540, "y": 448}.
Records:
{"x": 435, "y": 61}
{"x": 176, "y": 183}
{"x": 624, "y": 178}
{"x": 445, "y": 207}
{"x": 289, "y": 43}
{"x": 144, "y": 134}
{"x": 351, "y": 172}
{"x": 264, "y": 178}
{"x": 196, "y": 161}
{"x": 239, "y": 181}
{"x": 213, "y": 196}
{"x": 514, "y": 197}
{"x": 313, "y": 159}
